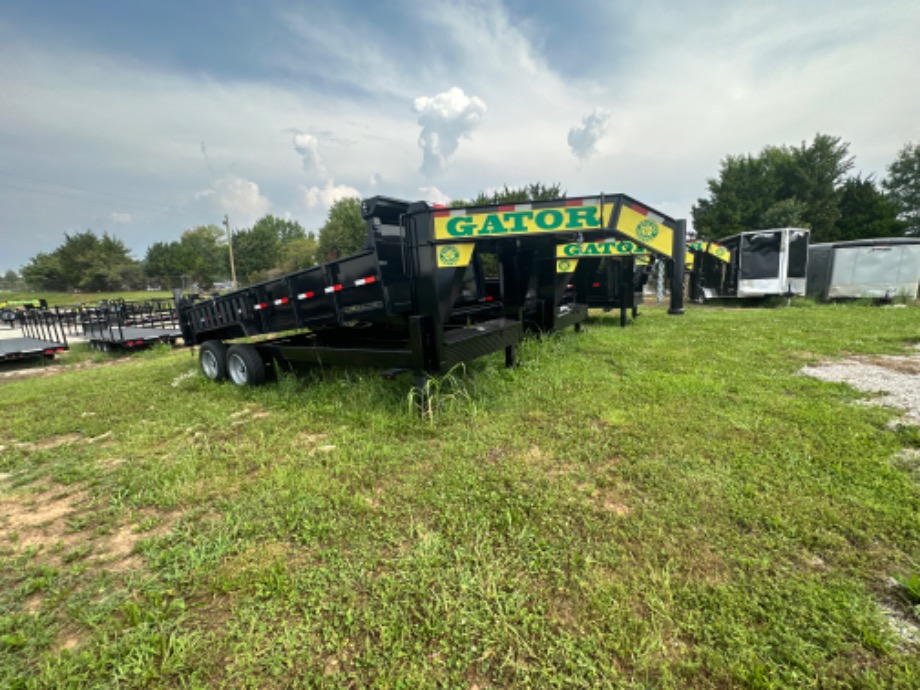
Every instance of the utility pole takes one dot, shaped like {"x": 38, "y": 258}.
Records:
{"x": 230, "y": 247}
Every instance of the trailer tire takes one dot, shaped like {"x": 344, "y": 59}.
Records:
{"x": 212, "y": 358}
{"x": 245, "y": 366}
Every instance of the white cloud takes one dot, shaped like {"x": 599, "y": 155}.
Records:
{"x": 327, "y": 195}
{"x": 117, "y": 217}
{"x": 445, "y": 119}
{"x": 434, "y": 195}
{"x": 238, "y": 198}
{"x": 308, "y": 147}
{"x": 724, "y": 78}
{"x": 583, "y": 140}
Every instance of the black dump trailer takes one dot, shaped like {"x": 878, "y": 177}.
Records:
{"x": 42, "y": 336}
{"x": 416, "y": 298}
{"x": 128, "y": 325}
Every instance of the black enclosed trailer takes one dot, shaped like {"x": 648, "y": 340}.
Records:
{"x": 416, "y": 297}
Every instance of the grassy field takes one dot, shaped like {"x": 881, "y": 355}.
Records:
{"x": 65, "y": 299}
{"x": 668, "y": 505}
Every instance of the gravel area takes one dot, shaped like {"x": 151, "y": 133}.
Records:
{"x": 894, "y": 379}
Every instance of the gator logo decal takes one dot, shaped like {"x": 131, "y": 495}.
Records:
{"x": 455, "y": 255}
{"x": 448, "y": 256}
{"x": 566, "y": 265}
{"x": 647, "y": 230}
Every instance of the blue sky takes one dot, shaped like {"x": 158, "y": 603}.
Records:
{"x": 143, "y": 119}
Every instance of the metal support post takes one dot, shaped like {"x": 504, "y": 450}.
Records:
{"x": 679, "y": 252}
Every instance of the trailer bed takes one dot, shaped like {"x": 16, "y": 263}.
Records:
{"x": 26, "y": 347}
{"x": 128, "y": 336}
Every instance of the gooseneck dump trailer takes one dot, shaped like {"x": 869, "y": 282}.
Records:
{"x": 415, "y": 298}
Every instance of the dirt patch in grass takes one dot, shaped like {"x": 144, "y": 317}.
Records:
{"x": 50, "y": 442}
{"x": 41, "y": 520}
{"x": 33, "y": 372}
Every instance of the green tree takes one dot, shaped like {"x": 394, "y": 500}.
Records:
{"x": 865, "y": 212}
{"x": 788, "y": 213}
{"x": 10, "y": 280}
{"x": 165, "y": 264}
{"x": 816, "y": 178}
{"x": 903, "y": 185}
{"x": 300, "y": 253}
{"x": 779, "y": 187}
{"x": 344, "y": 232}
{"x": 747, "y": 187}
{"x": 261, "y": 250}
{"x": 508, "y": 195}
{"x": 86, "y": 262}
{"x": 43, "y": 272}
{"x": 203, "y": 254}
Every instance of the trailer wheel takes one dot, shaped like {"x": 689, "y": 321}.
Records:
{"x": 212, "y": 358}
{"x": 245, "y": 366}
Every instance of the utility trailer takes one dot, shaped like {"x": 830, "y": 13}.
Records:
{"x": 42, "y": 336}
{"x": 763, "y": 263}
{"x": 123, "y": 325}
{"x": 415, "y": 298}
{"x": 881, "y": 268}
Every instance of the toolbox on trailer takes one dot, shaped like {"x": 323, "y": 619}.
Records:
{"x": 416, "y": 297}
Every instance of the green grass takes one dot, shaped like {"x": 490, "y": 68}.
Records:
{"x": 64, "y": 299}
{"x": 667, "y": 505}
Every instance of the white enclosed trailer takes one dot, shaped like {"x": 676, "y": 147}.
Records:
{"x": 765, "y": 263}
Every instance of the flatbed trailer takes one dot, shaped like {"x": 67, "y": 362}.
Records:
{"x": 415, "y": 298}
{"x": 42, "y": 336}
{"x": 121, "y": 325}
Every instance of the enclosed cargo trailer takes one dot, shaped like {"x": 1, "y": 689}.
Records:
{"x": 881, "y": 268}
{"x": 763, "y": 263}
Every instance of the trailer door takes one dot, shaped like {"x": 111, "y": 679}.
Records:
{"x": 760, "y": 264}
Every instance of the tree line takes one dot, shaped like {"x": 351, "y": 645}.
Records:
{"x": 810, "y": 185}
